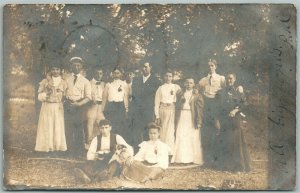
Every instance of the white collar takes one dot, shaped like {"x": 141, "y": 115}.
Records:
{"x": 94, "y": 80}
{"x": 154, "y": 142}
{"x": 189, "y": 91}
{"x": 212, "y": 75}
{"x": 78, "y": 75}
{"x": 119, "y": 80}
{"x": 56, "y": 78}
{"x": 146, "y": 77}
{"x": 106, "y": 136}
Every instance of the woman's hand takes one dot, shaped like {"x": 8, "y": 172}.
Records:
{"x": 233, "y": 112}
{"x": 218, "y": 127}
{"x": 158, "y": 121}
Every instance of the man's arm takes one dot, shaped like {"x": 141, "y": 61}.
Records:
{"x": 87, "y": 94}
{"x": 223, "y": 82}
{"x": 126, "y": 96}
{"x": 105, "y": 96}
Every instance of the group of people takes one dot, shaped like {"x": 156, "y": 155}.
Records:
{"x": 164, "y": 122}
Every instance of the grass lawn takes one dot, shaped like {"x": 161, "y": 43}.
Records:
{"x": 22, "y": 170}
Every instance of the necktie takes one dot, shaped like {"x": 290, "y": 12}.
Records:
{"x": 75, "y": 79}
{"x": 120, "y": 88}
{"x": 210, "y": 80}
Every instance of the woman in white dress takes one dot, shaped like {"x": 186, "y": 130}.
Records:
{"x": 189, "y": 110}
{"x": 51, "y": 127}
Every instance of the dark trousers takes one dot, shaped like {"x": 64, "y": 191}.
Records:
{"x": 139, "y": 120}
{"x": 115, "y": 113}
{"x": 95, "y": 168}
{"x": 75, "y": 122}
{"x": 209, "y": 131}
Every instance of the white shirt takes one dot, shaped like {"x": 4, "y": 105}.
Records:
{"x": 155, "y": 152}
{"x": 187, "y": 95}
{"x": 166, "y": 93}
{"x": 105, "y": 146}
{"x": 97, "y": 90}
{"x": 81, "y": 89}
{"x": 145, "y": 78}
{"x": 211, "y": 84}
{"x": 116, "y": 91}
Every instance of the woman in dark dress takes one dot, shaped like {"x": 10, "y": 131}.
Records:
{"x": 233, "y": 152}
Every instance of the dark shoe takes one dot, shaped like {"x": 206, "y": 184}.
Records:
{"x": 81, "y": 175}
{"x": 103, "y": 176}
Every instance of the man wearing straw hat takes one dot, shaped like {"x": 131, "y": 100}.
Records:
{"x": 78, "y": 95}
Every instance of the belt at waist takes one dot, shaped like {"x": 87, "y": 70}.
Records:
{"x": 167, "y": 104}
{"x": 51, "y": 102}
{"x": 98, "y": 102}
{"x": 209, "y": 99}
{"x": 79, "y": 100}
{"x": 116, "y": 102}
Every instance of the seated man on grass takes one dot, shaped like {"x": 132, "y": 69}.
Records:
{"x": 100, "y": 164}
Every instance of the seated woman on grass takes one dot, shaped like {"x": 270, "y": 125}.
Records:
{"x": 151, "y": 160}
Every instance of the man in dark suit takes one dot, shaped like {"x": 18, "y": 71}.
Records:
{"x": 142, "y": 105}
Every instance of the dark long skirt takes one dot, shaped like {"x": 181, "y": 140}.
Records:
{"x": 209, "y": 131}
{"x": 115, "y": 113}
{"x": 232, "y": 149}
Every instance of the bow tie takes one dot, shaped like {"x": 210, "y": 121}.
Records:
{"x": 98, "y": 82}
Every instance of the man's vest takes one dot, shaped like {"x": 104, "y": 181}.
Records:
{"x": 112, "y": 141}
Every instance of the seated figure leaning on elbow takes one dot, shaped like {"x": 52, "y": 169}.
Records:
{"x": 100, "y": 164}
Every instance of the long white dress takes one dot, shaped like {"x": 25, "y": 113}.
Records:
{"x": 187, "y": 144}
{"x": 51, "y": 126}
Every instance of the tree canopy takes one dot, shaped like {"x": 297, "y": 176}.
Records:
{"x": 183, "y": 36}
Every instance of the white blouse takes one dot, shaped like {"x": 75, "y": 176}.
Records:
{"x": 117, "y": 90}
{"x": 155, "y": 152}
{"x": 187, "y": 95}
{"x": 166, "y": 93}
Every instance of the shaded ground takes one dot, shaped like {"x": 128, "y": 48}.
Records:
{"x": 21, "y": 171}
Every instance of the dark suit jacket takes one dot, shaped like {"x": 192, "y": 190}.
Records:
{"x": 196, "y": 103}
{"x": 143, "y": 94}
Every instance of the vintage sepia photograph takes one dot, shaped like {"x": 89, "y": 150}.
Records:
{"x": 149, "y": 96}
